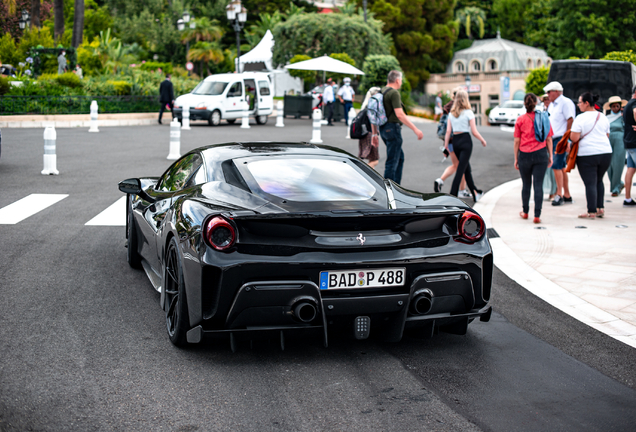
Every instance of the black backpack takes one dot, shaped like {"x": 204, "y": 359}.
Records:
{"x": 360, "y": 126}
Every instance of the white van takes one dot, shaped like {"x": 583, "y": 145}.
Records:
{"x": 222, "y": 97}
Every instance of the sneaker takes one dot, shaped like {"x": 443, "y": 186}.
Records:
{"x": 478, "y": 195}
{"x": 536, "y": 220}
{"x": 558, "y": 201}
{"x": 437, "y": 186}
{"x": 464, "y": 194}
{"x": 567, "y": 200}
{"x": 631, "y": 202}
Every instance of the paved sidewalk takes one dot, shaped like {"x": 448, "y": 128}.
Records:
{"x": 586, "y": 268}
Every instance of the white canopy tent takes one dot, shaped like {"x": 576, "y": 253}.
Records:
{"x": 262, "y": 53}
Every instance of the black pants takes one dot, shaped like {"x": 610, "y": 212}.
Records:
{"x": 463, "y": 148}
{"x": 592, "y": 169}
{"x": 329, "y": 113}
{"x": 163, "y": 108}
{"x": 532, "y": 168}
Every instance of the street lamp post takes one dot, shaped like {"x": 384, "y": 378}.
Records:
{"x": 467, "y": 83}
{"x": 186, "y": 20}
{"x": 25, "y": 20}
{"x": 237, "y": 15}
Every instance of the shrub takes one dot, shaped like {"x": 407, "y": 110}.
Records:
{"x": 376, "y": 68}
{"x": 308, "y": 77}
{"x": 69, "y": 79}
{"x": 629, "y": 56}
{"x": 89, "y": 61}
{"x": 8, "y": 50}
{"x": 5, "y": 86}
{"x": 166, "y": 68}
{"x": 121, "y": 87}
{"x": 536, "y": 80}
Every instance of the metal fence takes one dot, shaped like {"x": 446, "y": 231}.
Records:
{"x": 16, "y": 105}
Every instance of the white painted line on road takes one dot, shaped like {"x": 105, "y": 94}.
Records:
{"x": 519, "y": 271}
{"x": 115, "y": 215}
{"x": 28, "y": 206}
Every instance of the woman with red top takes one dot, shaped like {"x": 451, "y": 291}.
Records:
{"x": 532, "y": 158}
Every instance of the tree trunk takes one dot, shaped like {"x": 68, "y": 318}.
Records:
{"x": 58, "y": 10}
{"x": 35, "y": 14}
{"x": 78, "y": 24}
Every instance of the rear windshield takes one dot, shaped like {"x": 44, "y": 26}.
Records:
{"x": 308, "y": 179}
{"x": 212, "y": 88}
{"x": 512, "y": 104}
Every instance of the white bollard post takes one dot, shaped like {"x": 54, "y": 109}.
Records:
{"x": 315, "y": 136}
{"x": 352, "y": 115}
{"x": 185, "y": 117}
{"x": 279, "y": 114}
{"x": 175, "y": 140}
{"x": 245, "y": 123}
{"x": 50, "y": 158}
{"x": 94, "y": 109}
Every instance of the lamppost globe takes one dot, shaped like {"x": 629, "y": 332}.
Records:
{"x": 237, "y": 15}
{"x": 25, "y": 15}
{"x": 186, "y": 17}
{"x": 180, "y": 24}
{"x": 193, "y": 24}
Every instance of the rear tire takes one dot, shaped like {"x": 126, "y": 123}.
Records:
{"x": 176, "y": 305}
{"x": 215, "y": 118}
{"x": 132, "y": 253}
{"x": 261, "y": 120}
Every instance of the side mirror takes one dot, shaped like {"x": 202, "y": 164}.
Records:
{"x": 130, "y": 186}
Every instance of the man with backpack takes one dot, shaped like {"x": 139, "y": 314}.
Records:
{"x": 387, "y": 117}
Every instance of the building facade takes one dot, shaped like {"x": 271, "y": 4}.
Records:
{"x": 492, "y": 70}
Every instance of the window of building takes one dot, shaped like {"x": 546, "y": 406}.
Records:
{"x": 475, "y": 66}
{"x": 529, "y": 64}
{"x": 459, "y": 67}
{"x": 492, "y": 65}
{"x": 493, "y": 100}
{"x": 539, "y": 63}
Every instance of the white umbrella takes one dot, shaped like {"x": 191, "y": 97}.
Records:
{"x": 326, "y": 64}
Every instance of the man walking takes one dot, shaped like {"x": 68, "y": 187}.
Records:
{"x": 562, "y": 112}
{"x": 346, "y": 94}
{"x": 166, "y": 96}
{"x": 629, "y": 139}
{"x": 438, "y": 106}
{"x": 391, "y": 131}
{"x": 61, "y": 63}
{"x": 329, "y": 99}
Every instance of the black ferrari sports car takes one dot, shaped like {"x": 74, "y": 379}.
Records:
{"x": 265, "y": 239}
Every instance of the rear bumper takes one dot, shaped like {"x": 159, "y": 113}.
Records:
{"x": 195, "y": 114}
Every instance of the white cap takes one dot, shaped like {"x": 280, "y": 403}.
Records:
{"x": 347, "y": 80}
{"x": 554, "y": 85}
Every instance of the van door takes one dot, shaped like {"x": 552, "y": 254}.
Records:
{"x": 250, "y": 91}
{"x": 265, "y": 97}
{"x": 233, "y": 102}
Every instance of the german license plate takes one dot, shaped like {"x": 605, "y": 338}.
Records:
{"x": 362, "y": 278}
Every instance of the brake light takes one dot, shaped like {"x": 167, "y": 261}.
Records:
{"x": 219, "y": 233}
{"x": 471, "y": 227}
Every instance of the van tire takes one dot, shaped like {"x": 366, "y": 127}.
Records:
{"x": 261, "y": 120}
{"x": 215, "y": 118}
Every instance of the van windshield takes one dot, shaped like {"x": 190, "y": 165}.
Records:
{"x": 212, "y": 88}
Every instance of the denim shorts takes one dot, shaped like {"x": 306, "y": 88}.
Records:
{"x": 559, "y": 161}
{"x": 631, "y": 158}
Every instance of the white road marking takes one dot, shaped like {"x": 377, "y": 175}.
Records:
{"x": 28, "y": 206}
{"x": 115, "y": 215}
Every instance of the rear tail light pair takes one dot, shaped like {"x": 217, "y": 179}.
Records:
{"x": 219, "y": 233}
{"x": 471, "y": 227}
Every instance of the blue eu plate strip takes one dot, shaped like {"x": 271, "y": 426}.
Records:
{"x": 324, "y": 278}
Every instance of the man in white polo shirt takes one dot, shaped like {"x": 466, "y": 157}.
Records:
{"x": 346, "y": 94}
{"x": 562, "y": 112}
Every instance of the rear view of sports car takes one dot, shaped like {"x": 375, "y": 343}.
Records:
{"x": 261, "y": 240}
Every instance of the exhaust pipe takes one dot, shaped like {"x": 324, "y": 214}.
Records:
{"x": 304, "y": 311}
{"x": 422, "y": 302}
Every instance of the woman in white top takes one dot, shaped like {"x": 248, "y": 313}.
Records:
{"x": 591, "y": 130}
{"x": 461, "y": 121}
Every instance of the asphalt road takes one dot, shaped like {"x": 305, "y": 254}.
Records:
{"x": 84, "y": 345}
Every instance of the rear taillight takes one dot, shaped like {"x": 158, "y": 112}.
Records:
{"x": 471, "y": 227}
{"x": 219, "y": 233}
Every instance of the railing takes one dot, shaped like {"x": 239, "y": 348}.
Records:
{"x": 477, "y": 76}
{"x": 16, "y": 105}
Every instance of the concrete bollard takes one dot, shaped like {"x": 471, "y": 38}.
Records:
{"x": 185, "y": 117}
{"x": 50, "y": 158}
{"x": 245, "y": 123}
{"x": 315, "y": 136}
{"x": 175, "y": 140}
{"x": 279, "y": 114}
{"x": 94, "y": 109}
{"x": 352, "y": 115}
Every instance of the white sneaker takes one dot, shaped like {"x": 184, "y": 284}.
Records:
{"x": 478, "y": 196}
{"x": 437, "y": 186}
{"x": 464, "y": 194}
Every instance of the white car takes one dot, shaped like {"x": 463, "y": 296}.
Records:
{"x": 223, "y": 96}
{"x": 507, "y": 113}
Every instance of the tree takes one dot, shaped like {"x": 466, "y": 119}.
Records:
{"x": 376, "y": 69}
{"x": 536, "y": 80}
{"x": 58, "y": 8}
{"x": 315, "y": 35}
{"x": 343, "y": 57}
{"x": 423, "y": 32}
{"x": 511, "y": 18}
{"x": 206, "y": 52}
{"x": 35, "y": 13}
{"x": 470, "y": 16}
{"x": 259, "y": 28}
{"x": 307, "y": 76}
{"x": 78, "y": 24}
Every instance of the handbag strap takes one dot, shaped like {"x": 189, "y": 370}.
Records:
{"x": 593, "y": 126}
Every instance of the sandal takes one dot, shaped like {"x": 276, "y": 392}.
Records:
{"x": 587, "y": 216}
{"x": 600, "y": 213}
{"x": 523, "y": 215}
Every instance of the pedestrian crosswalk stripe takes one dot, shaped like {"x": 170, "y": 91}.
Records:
{"x": 28, "y": 206}
{"x": 115, "y": 215}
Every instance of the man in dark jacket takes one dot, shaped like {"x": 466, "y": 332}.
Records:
{"x": 166, "y": 96}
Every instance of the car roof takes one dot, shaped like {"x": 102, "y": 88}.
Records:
{"x": 227, "y": 77}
